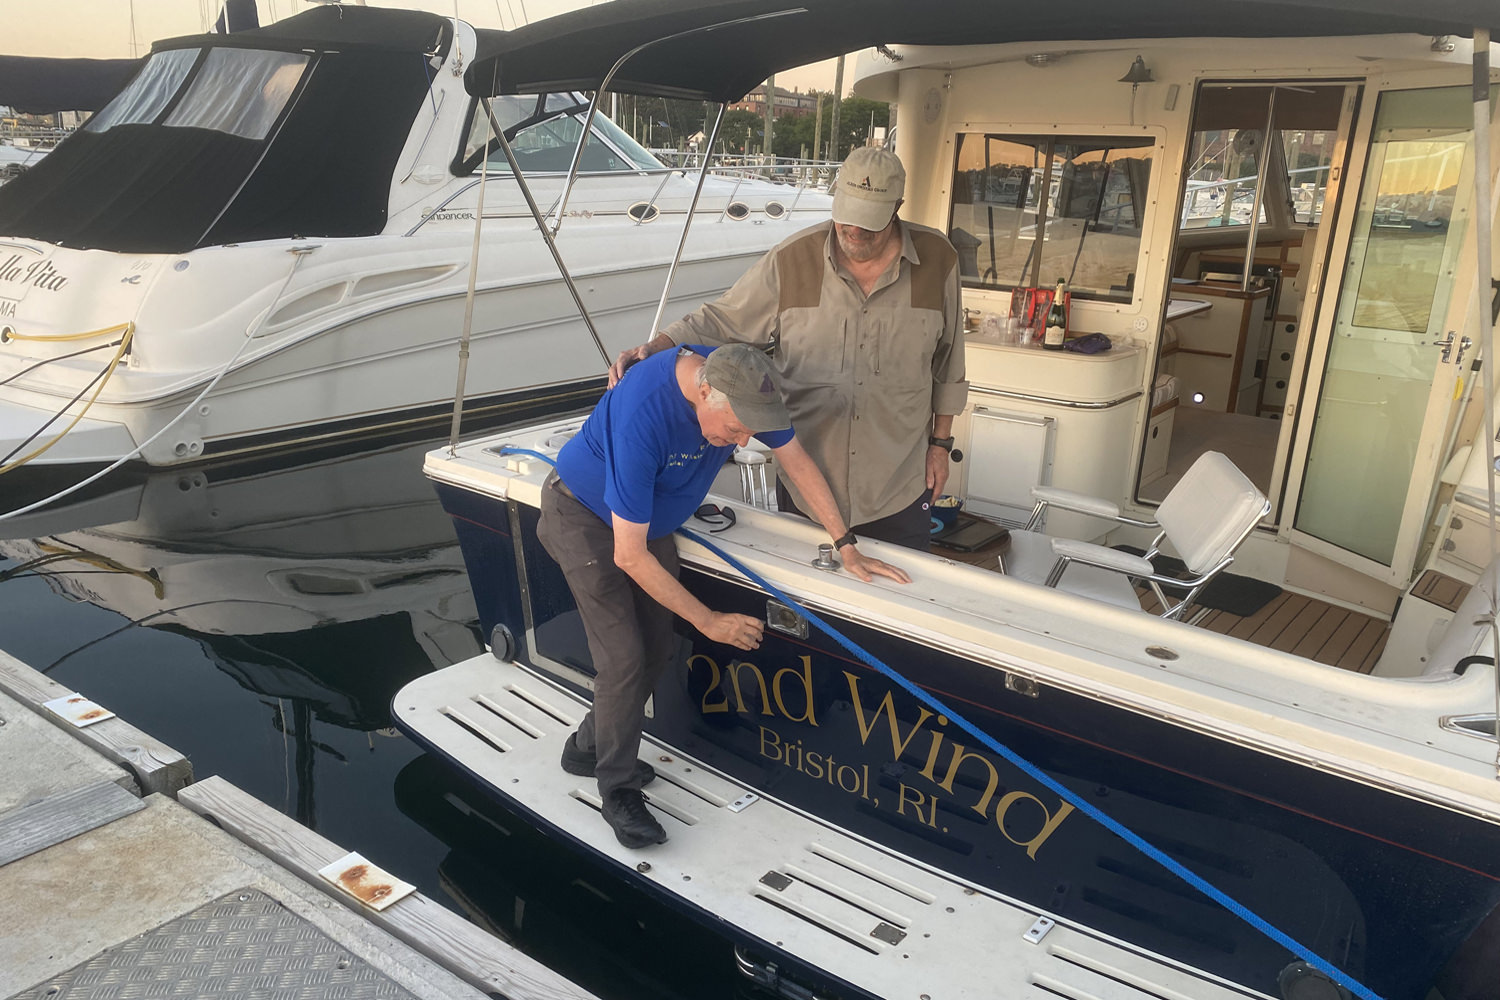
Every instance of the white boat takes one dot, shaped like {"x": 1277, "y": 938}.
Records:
{"x": 266, "y": 239}
{"x": 1288, "y": 786}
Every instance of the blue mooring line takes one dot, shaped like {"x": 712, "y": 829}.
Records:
{"x": 1087, "y": 808}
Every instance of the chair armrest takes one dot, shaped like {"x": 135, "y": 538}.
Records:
{"x": 1102, "y": 556}
{"x": 1074, "y": 501}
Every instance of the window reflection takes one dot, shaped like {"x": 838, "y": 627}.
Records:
{"x": 145, "y": 96}
{"x": 544, "y": 132}
{"x": 1085, "y": 197}
{"x": 239, "y": 91}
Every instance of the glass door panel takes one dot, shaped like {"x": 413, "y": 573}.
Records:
{"x": 1377, "y": 389}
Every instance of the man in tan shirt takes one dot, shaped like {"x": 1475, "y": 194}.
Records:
{"x": 863, "y": 321}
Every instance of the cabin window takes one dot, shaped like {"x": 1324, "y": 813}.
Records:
{"x": 239, "y": 91}
{"x": 1028, "y": 210}
{"x": 1228, "y": 147}
{"x": 543, "y": 133}
{"x": 1222, "y": 176}
{"x": 1309, "y": 155}
{"x": 147, "y": 94}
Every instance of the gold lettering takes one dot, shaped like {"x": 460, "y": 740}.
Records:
{"x": 760, "y": 683}
{"x": 846, "y": 769}
{"x": 713, "y": 685}
{"x": 1048, "y": 827}
{"x": 814, "y": 765}
{"x": 770, "y": 738}
{"x": 982, "y": 807}
{"x": 928, "y": 771}
{"x": 805, "y": 676}
{"x": 915, "y": 798}
{"x": 888, "y": 709}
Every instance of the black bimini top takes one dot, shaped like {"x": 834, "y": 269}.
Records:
{"x": 292, "y": 130}
{"x": 37, "y": 85}
{"x": 576, "y": 50}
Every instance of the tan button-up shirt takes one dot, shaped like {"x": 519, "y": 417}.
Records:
{"x": 863, "y": 375}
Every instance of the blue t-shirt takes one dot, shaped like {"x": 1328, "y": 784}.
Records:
{"x": 641, "y": 453}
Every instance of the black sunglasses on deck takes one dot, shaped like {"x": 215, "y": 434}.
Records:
{"x": 707, "y": 512}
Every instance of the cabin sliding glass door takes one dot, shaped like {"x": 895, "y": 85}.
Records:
{"x": 1388, "y": 374}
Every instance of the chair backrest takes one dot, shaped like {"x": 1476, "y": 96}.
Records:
{"x": 1210, "y": 511}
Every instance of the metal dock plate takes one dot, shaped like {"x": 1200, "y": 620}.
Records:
{"x": 242, "y": 944}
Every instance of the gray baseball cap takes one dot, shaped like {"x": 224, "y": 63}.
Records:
{"x": 869, "y": 185}
{"x": 744, "y": 374}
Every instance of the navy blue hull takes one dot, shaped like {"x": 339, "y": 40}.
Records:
{"x": 1393, "y": 891}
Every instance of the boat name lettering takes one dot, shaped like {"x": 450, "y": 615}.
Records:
{"x": 742, "y": 688}
{"x": 716, "y": 701}
{"x": 8, "y": 308}
{"x": 957, "y": 756}
{"x": 37, "y": 273}
{"x": 854, "y": 779}
{"x": 452, "y": 216}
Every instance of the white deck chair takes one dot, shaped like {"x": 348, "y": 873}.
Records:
{"x": 1205, "y": 517}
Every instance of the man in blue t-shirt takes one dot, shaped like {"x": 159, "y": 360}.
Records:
{"x": 642, "y": 464}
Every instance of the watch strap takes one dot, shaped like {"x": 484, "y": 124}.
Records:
{"x": 847, "y": 538}
{"x": 944, "y": 443}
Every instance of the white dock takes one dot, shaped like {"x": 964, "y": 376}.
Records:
{"x": 119, "y": 875}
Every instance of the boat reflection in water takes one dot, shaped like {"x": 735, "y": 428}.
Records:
{"x": 314, "y": 592}
{"x": 526, "y": 888}
{"x": 318, "y": 588}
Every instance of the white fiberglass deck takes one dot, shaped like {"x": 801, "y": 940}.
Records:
{"x": 867, "y": 917}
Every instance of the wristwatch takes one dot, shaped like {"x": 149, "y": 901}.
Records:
{"x": 845, "y": 539}
{"x": 944, "y": 443}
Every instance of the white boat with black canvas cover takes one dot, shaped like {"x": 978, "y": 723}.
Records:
{"x": 1285, "y": 785}
{"x": 266, "y": 238}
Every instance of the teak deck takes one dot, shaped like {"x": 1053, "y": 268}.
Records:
{"x": 1293, "y": 623}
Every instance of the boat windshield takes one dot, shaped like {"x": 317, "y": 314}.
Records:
{"x": 240, "y": 92}
{"x": 543, "y": 131}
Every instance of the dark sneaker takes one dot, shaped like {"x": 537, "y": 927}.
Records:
{"x": 582, "y": 762}
{"x": 626, "y": 813}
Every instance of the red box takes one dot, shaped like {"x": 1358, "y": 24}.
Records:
{"x": 1030, "y": 305}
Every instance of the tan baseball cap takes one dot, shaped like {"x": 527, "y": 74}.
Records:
{"x": 869, "y": 185}
{"x": 745, "y": 375}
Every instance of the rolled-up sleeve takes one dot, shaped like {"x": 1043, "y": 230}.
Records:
{"x": 950, "y": 388}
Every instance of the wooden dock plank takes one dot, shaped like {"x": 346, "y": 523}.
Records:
{"x": 425, "y": 925}
{"x": 156, "y": 766}
{"x": 38, "y": 825}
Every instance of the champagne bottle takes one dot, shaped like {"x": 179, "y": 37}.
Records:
{"x": 1057, "y": 319}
